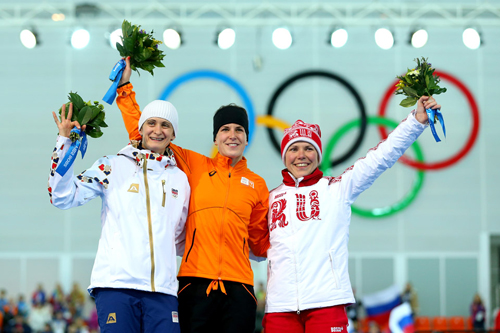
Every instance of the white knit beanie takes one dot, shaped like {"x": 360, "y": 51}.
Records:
{"x": 160, "y": 109}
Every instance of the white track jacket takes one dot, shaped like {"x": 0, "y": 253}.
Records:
{"x": 145, "y": 200}
{"x": 309, "y": 228}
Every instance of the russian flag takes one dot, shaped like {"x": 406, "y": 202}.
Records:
{"x": 401, "y": 320}
{"x": 378, "y": 306}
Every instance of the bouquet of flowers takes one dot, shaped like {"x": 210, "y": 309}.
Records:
{"x": 421, "y": 81}
{"x": 141, "y": 47}
{"x": 417, "y": 82}
{"x": 88, "y": 114}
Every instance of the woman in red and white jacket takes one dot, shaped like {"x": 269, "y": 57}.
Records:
{"x": 309, "y": 215}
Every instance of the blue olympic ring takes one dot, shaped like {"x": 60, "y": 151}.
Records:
{"x": 217, "y": 76}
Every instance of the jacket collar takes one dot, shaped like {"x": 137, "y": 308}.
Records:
{"x": 311, "y": 179}
{"x": 155, "y": 161}
{"x": 225, "y": 163}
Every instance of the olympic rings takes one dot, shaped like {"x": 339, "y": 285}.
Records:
{"x": 417, "y": 184}
{"x": 217, "y": 76}
{"x": 470, "y": 141}
{"x": 271, "y": 122}
{"x": 350, "y": 88}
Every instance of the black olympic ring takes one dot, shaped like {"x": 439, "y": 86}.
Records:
{"x": 359, "y": 101}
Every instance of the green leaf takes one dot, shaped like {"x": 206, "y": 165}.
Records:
{"x": 126, "y": 25}
{"x": 94, "y": 133}
{"x": 408, "y": 101}
{"x": 121, "y": 49}
{"x": 76, "y": 100}
{"x": 410, "y": 92}
{"x": 84, "y": 115}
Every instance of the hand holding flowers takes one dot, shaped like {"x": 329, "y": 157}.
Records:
{"x": 141, "y": 47}
{"x": 421, "y": 81}
{"x": 89, "y": 116}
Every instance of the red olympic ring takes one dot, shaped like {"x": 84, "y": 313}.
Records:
{"x": 470, "y": 141}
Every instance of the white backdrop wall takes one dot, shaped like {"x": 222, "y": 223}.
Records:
{"x": 440, "y": 242}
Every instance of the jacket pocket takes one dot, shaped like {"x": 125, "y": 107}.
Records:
{"x": 333, "y": 268}
{"x": 191, "y": 247}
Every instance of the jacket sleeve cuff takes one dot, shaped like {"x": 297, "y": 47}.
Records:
{"x": 124, "y": 89}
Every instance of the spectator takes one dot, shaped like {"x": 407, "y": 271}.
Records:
{"x": 478, "y": 313}
{"x": 22, "y": 306}
{"x": 38, "y": 296}
{"x": 58, "y": 324}
{"x": 39, "y": 316}
{"x": 353, "y": 311}
{"x": 410, "y": 295}
{"x": 76, "y": 301}
{"x": 58, "y": 299}
{"x": 3, "y": 299}
{"x": 18, "y": 325}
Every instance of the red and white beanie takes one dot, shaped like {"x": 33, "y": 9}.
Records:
{"x": 301, "y": 131}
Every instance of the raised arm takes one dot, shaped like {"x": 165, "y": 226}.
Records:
{"x": 127, "y": 103}
{"x": 68, "y": 191}
{"x": 366, "y": 170}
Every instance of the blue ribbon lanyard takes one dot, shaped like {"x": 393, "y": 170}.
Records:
{"x": 69, "y": 158}
{"x": 432, "y": 114}
{"x": 115, "y": 76}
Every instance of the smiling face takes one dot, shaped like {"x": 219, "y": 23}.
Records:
{"x": 157, "y": 133}
{"x": 231, "y": 141}
{"x": 301, "y": 159}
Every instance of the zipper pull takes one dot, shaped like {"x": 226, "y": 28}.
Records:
{"x": 298, "y": 312}
{"x": 164, "y": 193}
{"x": 230, "y": 175}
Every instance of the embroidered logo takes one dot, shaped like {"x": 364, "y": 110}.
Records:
{"x": 337, "y": 329}
{"x": 175, "y": 317}
{"x": 175, "y": 193}
{"x": 277, "y": 215}
{"x": 134, "y": 188}
{"x": 247, "y": 182}
{"x": 111, "y": 318}
{"x": 301, "y": 206}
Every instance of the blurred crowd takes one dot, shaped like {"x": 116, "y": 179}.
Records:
{"x": 48, "y": 312}
{"x": 59, "y": 312}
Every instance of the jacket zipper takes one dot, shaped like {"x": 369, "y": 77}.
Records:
{"x": 296, "y": 274}
{"x": 150, "y": 226}
{"x": 222, "y": 226}
{"x": 163, "y": 186}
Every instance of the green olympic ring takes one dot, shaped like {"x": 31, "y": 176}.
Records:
{"x": 388, "y": 210}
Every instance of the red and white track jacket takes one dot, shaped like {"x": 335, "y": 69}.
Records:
{"x": 309, "y": 222}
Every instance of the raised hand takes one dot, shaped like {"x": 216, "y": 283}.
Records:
{"x": 425, "y": 102}
{"x": 127, "y": 72}
{"x": 66, "y": 125}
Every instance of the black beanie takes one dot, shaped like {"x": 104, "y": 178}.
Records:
{"x": 230, "y": 114}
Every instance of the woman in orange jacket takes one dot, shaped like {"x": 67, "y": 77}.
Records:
{"x": 227, "y": 216}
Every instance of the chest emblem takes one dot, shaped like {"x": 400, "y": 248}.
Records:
{"x": 247, "y": 182}
{"x": 175, "y": 193}
{"x": 134, "y": 188}
{"x": 301, "y": 206}
{"x": 277, "y": 215}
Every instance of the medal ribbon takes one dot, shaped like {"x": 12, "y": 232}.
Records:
{"x": 69, "y": 158}
{"x": 433, "y": 114}
{"x": 115, "y": 76}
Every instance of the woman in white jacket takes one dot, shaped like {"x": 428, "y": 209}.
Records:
{"x": 145, "y": 199}
{"x": 308, "y": 283}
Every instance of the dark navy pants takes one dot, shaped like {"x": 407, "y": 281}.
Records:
{"x": 130, "y": 310}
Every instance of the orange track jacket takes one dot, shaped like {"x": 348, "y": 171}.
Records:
{"x": 227, "y": 210}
